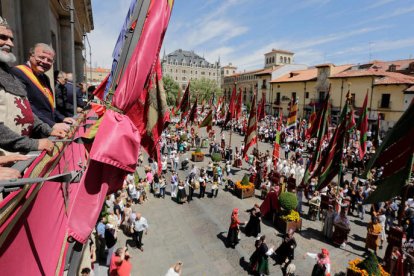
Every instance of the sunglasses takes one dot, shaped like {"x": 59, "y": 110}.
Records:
{"x": 6, "y": 37}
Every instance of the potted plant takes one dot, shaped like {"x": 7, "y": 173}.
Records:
{"x": 197, "y": 155}
{"x": 288, "y": 218}
{"x": 244, "y": 188}
{"x": 216, "y": 157}
{"x": 369, "y": 266}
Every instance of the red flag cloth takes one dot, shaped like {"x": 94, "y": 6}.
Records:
{"x": 100, "y": 90}
{"x": 185, "y": 101}
{"x": 238, "y": 106}
{"x": 117, "y": 143}
{"x": 193, "y": 113}
{"x": 230, "y": 112}
{"x": 363, "y": 128}
{"x": 311, "y": 125}
{"x": 33, "y": 234}
{"x": 261, "y": 109}
{"x": 251, "y": 138}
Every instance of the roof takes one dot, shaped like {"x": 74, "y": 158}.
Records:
{"x": 382, "y": 77}
{"x": 246, "y": 73}
{"x": 410, "y": 89}
{"x": 340, "y": 68}
{"x": 299, "y": 75}
{"x": 280, "y": 51}
{"x": 402, "y": 64}
{"x": 394, "y": 78}
{"x": 188, "y": 57}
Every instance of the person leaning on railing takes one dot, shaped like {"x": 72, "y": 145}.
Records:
{"x": 19, "y": 127}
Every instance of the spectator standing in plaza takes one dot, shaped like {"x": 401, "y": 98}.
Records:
{"x": 175, "y": 270}
{"x": 100, "y": 238}
{"x": 110, "y": 241}
{"x": 174, "y": 184}
{"x": 140, "y": 226}
{"x": 120, "y": 264}
{"x": 162, "y": 186}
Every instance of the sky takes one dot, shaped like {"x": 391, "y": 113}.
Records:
{"x": 242, "y": 31}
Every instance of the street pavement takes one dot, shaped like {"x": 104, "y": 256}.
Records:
{"x": 195, "y": 233}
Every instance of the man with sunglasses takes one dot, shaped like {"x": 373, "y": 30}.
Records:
{"x": 18, "y": 124}
{"x": 33, "y": 75}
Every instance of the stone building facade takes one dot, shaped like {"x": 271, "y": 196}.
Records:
{"x": 47, "y": 21}
{"x": 184, "y": 66}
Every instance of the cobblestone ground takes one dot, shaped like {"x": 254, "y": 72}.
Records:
{"x": 194, "y": 233}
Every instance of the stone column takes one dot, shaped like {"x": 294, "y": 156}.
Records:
{"x": 65, "y": 43}
{"x": 79, "y": 62}
{"x": 35, "y": 17}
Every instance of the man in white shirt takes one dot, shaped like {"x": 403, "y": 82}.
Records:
{"x": 140, "y": 225}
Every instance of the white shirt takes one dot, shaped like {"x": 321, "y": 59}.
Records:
{"x": 141, "y": 224}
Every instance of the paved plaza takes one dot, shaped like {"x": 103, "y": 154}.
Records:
{"x": 195, "y": 233}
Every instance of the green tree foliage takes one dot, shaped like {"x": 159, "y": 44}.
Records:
{"x": 171, "y": 89}
{"x": 203, "y": 89}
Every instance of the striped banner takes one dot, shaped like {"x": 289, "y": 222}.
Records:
{"x": 293, "y": 114}
{"x": 251, "y": 134}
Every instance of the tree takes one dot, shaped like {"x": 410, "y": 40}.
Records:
{"x": 171, "y": 89}
{"x": 204, "y": 89}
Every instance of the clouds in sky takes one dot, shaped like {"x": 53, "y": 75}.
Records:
{"x": 241, "y": 31}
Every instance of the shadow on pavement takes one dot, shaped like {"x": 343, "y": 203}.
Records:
{"x": 221, "y": 237}
{"x": 360, "y": 223}
{"x": 310, "y": 233}
{"x": 245, "y": 265}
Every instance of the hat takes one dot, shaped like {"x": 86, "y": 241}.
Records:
{"x": 325, "y": 252}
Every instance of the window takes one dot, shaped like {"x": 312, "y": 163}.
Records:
{"x": 227, "y": 72}
{"x": 273, "y": 59}
{"x": 196, "y": 72}
{"x": 306, "y": 95}
{"x": 293, "y": 95}
{"x": 171, "y": 70}
{"x": 385, "y": 101}
{"x": 214, "y": 74}
{"x": 288, "y": 60}
{"x": 277, "y": 98}
{"x": 184, "y": 78}
{"x": 353, "y": 99}
{"x": 285, "y": 60}
{"x": 203, "y": 73}
{"x": 281, "y": 59}
{"x": 321, "y": 96}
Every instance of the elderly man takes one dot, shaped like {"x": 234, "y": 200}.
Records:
{"x": 69, "y": 88}
{"x": 17, "y": 121}
{"x": 39, "y": 91}
{"x": 140, "y": 226}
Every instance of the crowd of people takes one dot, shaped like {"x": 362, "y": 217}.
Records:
{"x": 29, "y": 116}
